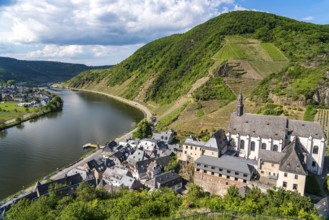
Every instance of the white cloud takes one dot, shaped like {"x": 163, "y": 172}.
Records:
{"x": 309, "y": 18}
{"x": 111, "y": 22}
{"x": 96, "y": 31}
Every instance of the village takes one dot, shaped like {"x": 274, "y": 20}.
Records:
{"x": 255, "y": 151}
{"x": 24, "y": 96}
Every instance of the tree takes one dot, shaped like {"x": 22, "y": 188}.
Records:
{"x": 144, "y": 130}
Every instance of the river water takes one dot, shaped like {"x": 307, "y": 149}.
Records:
{"x": 36, "y": 148}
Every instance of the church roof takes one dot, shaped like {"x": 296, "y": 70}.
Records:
{"x": 306, "y": 129}
{"x": 258, "y": 125}
{"x": 293, "y": 161}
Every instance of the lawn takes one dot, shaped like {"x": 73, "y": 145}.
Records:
{"x": 9, "y": 110}
{"x": 274, "y": 52}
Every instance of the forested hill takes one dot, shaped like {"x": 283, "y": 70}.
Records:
{"x": 241, "y": 47}
{"x": 38, "y": 72}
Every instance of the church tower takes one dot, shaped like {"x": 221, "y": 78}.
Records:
{"x": 239, "y": 105}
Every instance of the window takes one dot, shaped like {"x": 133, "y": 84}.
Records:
{"x": 198, "y": 164}
{"x": 263, "y": 146}
{"x": 205, "y": 165}
{"x": 212, "y": 173}
{"x": 294, "y": 186}
{"x": 236, "y": 179}
{"x": 213, "y": 168}
{"x": 227, "y": 177}
{"x": 197, "y": 169}
{"x": 220, "y": 175}
{"x": 185, "y": 152}
{"x": 244, "y": 181}
{"x": 313, "y": 164}
{"x": 296, "y": 177}
{"x": 191, "y": 148}
{"x": 236, "y": 173}
{"x": 272, "y": 164}
{"x": 245, "y": 175}
{"x": 284, "y": 184}
{"x": 186, "y": 147}
{"x": 285, "y": 174}
{"x": 315, "y": 149}
{"x": 242, "y": 144}
{"x": 275, "y": 147}
{"x": 205, "y": 171}
{"x": 220, "y": 169}
{"x": 228, "y": 171}
{"x": 252, "y": 146}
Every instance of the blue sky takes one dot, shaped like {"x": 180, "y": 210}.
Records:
{"x": 102, "y": 32}
{"x": 315, "y": 11}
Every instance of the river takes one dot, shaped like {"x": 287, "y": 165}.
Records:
{"x": 36, "y": 148}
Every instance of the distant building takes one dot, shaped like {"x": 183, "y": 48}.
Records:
{"x": 171, "y": 180}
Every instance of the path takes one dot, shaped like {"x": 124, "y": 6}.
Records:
{"x": 183, "y": 99}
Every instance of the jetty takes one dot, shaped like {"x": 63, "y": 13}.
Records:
{"x": 90, "y": 145}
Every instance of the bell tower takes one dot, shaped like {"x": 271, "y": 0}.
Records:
{"x": 239, "y": 105}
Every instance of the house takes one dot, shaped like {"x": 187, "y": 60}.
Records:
{"x": 138, "y": 155}
{"x": 85, "y": 173}
{"x": 119, "y": 157}
{"x": 149, "y": 146}
{"x": 66, "y": 185}
{"x": 166, "y": 137}
{"x": 192, "y": 149}
{"x": 120, "y": 177}
{"x": 141, "y": 168}
{"x": 109, "y": 149}
{"x": 171, "y": 180}
{"x": 215, "y": 174}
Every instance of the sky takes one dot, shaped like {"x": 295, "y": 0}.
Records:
{"x": 104, "y": 32}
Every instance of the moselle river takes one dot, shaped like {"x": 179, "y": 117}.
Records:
{"x": 39, "y": 147}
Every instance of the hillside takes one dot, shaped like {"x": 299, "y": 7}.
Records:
{"x": 176, "y": 76}
{"x": 38, "y": 72}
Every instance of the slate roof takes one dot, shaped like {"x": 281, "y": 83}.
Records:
{"x": 163, "y": 136}
{"x": 225, "y": 162}
{"x": 306, "y": 129}
{"x": 271, "y": 156}
{"x": 293, "y": 161}
{"x": 192, "y": 141}
{"x": 67, "y": 180}
{"x": 165, "y": 180}
{"x": 217, "y": 142}
{"x": 138, "y": 155}
{"x": 258, "y": 125}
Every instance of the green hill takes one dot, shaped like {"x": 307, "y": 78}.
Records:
{"x": 242, "y": 47}
{"x": 38, "y": 72}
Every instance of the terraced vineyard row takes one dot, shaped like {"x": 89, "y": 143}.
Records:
{"x": 323, "y": 118}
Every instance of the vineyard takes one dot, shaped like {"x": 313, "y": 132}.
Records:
{"x": 323, "y": 118}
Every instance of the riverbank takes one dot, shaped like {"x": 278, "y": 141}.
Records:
{"x": 143, "y": 108}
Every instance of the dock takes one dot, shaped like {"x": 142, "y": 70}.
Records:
{"x": 90, "y": 145}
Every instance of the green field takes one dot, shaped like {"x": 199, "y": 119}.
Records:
{"x": 264, "y": 58}
{"x": 9, "y": 110}
{"x": 274, "y": 52}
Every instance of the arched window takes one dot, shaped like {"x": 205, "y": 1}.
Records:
{"x": 242, "y": 144}
{"x": 275, "y": 147}
{"x": 252, "y": 146}
{"x": 315, "y": 149}
{"x": 263, "y": 146}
